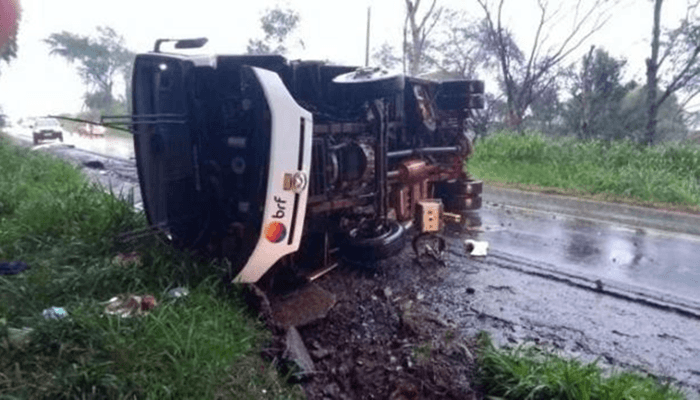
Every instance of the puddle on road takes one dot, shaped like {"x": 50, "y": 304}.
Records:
{"x": 638, "y": 257}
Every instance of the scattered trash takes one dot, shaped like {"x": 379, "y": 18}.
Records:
{"x": 178, "y": 292}
{"x": 476, "y": 248}
{"x": 129, "y": 305}
{"x": 19, "y": 337}
{"x": 127, "y": 259}
{"x": 54, "y": 313}
{"x": 94, "y": 164}
{"x": 12, "y": 267}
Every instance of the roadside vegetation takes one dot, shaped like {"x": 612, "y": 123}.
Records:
{"x": 68, "y": 231}
{"x": 611, "y": 170}
{"x": 528, "y": 372}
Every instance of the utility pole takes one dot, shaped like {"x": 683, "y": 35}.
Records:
{"x": 369, "y": 8}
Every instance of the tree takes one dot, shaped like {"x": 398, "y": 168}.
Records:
{"x": 461, "y": 46}
{"x": 419, "y": 28}
{"x": 670, "y": 124}
{"x": 594, "y": 110}
{"x": 10, "y": 15}
{"x": 546, "y": 111}
{"x": 386, "y": 56}
{"x": 527, "y": 75}
{"x": 99, "y": 59}
{"x": 681, "y": 57}
{"x": 278, "y": 24}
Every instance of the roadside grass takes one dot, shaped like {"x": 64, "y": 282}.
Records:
{"x": 528, "y": 372}
{"x": 67, "y": 230}
{"x": 668, "y": 174}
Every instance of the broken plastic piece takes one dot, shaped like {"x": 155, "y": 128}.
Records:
{"x": 12, "y": 267}
{"x": 54, "y": 313}
{"x": 129, "y": 305}
{"x": 178, "y": 292}
{"x": 476, "y": 248}
{"x": 296, "y": 352}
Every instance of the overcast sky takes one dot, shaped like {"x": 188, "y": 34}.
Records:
{"x": 38, "y": 84}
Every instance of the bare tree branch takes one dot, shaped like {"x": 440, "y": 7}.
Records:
{"x": 524, "y": 80}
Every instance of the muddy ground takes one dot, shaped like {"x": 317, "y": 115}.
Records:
{"x": 381, "y": 340}
{"x": 401, "y": 330}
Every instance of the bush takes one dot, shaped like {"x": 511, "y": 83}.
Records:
{"x": 666, "y": 173}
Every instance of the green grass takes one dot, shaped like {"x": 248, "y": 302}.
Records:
{"x": 528, "y": 372}
{"x": 203, "y": 346}
{"x": 661, "y": 174}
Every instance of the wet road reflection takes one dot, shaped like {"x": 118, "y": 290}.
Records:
{"x": 109, "y": 145}
{"x": 652, "y": 259}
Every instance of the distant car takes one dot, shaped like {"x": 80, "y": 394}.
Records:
{"x": 46, "y": 128}
{"x": 92, "y": 129}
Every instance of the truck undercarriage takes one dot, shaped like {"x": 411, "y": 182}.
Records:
{"x": 264, "y": 161}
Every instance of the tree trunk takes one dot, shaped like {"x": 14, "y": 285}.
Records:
{"x": 652, "y": 78}
{"x": 586, "y": 95}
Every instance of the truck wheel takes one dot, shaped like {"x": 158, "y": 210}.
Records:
{"x": 457, "y": 187}
{"x": 367, "y": 84}
{"x": 372, "y": 243}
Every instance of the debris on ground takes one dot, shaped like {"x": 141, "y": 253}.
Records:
{"x": 476, "y": 248}
{"x": 12, "y": 267}
{"x": 126, "y": 260}
{"x": 296, "y": 352}
{"x": 178, "y": 292}
{"x": 54, "y": 313}
{"x": 380, "y": 339}
{"x": 301, "y": 307}
{"x": 95, "y": 164}
{"x": 130, "y": 305}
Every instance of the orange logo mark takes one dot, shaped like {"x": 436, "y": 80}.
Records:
{"x": 275, "y": 232}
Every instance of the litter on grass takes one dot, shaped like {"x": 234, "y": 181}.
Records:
{"x": 130, "y": 305}
{"x": 476, "y": 248}
{"x": 12, "y": 267}
{"x": 54, "y": 313}
{"x": 178, "y": 292}
{"x": 127, "y": 259}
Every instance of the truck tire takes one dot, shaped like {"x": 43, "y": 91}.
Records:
{"x": 366, "y": 85}
{"x": 358, "y": 246}
{"x": 457, "y": 187}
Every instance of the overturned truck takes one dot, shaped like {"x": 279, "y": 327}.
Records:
{"x": 268, "y": 162}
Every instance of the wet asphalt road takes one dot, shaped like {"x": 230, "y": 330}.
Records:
{"x": 589, "y": 289}
{"x": 658, "y": 261}
{"x": 626, "y": 295}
